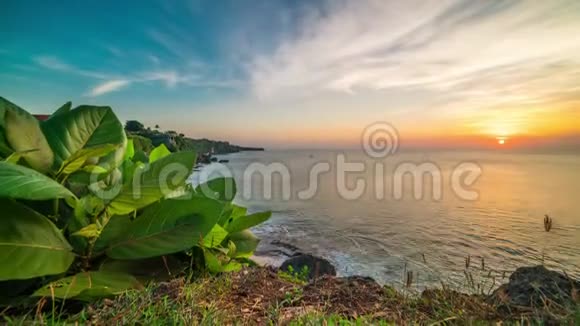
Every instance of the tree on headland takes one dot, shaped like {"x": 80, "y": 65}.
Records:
{"x": 134, "y": 125}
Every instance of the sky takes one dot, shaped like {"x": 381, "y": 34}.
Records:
{"x": 306, "y": 74}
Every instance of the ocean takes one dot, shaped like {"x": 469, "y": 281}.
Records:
{"x": 457, "y": 218}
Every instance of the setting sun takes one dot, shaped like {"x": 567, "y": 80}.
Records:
{"x": 501, "y": 140}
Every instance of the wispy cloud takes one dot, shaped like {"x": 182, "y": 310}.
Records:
{"x": 170, "y": 77}
{"x": 507, "y": 51}
{"x": 108, "y": 87}
{"x": 176, "y": 42}
{"x": 113, "y": 82}
{"x": 55, "y": 63}
{"x": 153, "y": 58}
{"x": 115, "y": 51}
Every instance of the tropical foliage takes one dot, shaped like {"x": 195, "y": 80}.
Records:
{"x": 85, "y": 213}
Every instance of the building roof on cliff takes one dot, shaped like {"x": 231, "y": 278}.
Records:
{"x": 42, "y": 117}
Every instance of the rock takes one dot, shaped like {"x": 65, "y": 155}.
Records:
{"x": 204, "y": 158}
{"x": 536, "y": 287}
{"x": 316, "y": 266}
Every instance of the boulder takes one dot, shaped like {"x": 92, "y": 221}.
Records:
{"x": 536, "y": 287}
{"x": 317, "y": 266}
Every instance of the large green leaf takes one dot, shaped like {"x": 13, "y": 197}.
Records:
{"x": 215, "y": 237}
{"x": 16, "y": 156}
{"x": 89, "y": 174}
{"x": 241, "y": 223}
{"x": 246, "y": 242}
{"x": 79, "y": 158}
{"x": 112, "y": 232}
{"x": 83, "y": 127}
{"x": 87, "y": 285}
{"x": 23, "y": 134}
{"x": 30, "y": 245}
{"x": 158, "y": 152}
{"x": 65, "y": 108}
{"x": 152, "y": 182}
{"x": 166, "y": 227}
{"x": 23, "y": 183}
{"x": 130, "y": 151}
{"x": 128, "y": 169}
{"x": 218, "y": 188}
{"x": 230, "y": 212}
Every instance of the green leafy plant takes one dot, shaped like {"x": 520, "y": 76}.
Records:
{"x": 294, "y": 276}
{"x": 85, "y": 214}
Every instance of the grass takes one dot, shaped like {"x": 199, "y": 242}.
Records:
{"x": 334, "y": 319}
{"x": 266, "y": 297}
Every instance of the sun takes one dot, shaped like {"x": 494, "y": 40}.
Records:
{"x": 501, "y": 140}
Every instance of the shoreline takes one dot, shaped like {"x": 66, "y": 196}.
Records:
{"x": 384, "y": 251}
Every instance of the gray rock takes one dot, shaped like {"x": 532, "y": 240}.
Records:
{"x": 317, "y": 266}
{"x": 535, "y": 287}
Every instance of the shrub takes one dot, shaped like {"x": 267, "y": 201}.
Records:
{"x": 85, "y": 214}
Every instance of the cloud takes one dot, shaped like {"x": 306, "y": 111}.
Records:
{"x": 153, "y": 58}
{"x": 176, "y": 42}
{"x": 54, "y": 63}
{"x": 508, "y": 51}
{"x": 170, "y": 78}
{"x": 115, "y": 51}
{"x": 108, "y": 87}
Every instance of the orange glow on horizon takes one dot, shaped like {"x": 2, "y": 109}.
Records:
{"x": 506, "y": 130}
